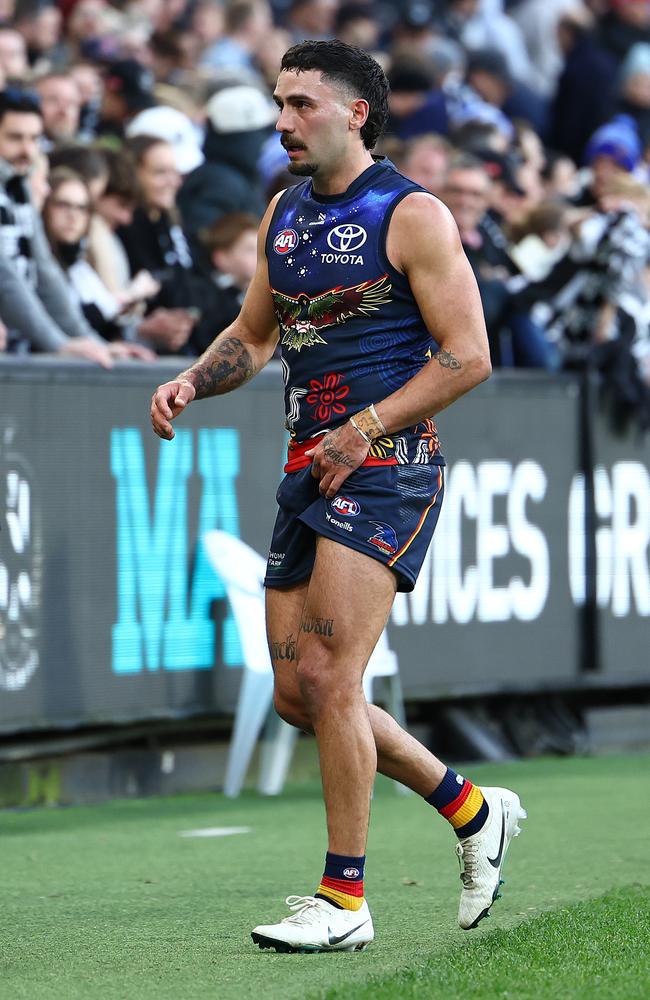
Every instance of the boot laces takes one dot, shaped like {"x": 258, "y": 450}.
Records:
{"x": 303, "y": 909}
{"x": 468, "y": 863}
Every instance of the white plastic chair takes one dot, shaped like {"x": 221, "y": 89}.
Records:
{"x": 242, "y": 571}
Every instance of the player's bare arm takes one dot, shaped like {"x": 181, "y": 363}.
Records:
{"x": 447, "y": 295}
{"x": 234, "y": 356}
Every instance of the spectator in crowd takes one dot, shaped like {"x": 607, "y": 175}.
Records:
{"x": 414, "y": 30}
{"x": 14, "y": 67}
{"x": 538, "y": 22}
{"x": 425, "y": 160}
{"x": 313, "y": 19}
{"x": 478, "y": 74}
{"x": 634, "y": 90}
{"x": 156, "y": 243}
{"x": 113, "y": 208}
{"x": 175, "y": 128}
{"x": 90, "y": 85}
{"x": 240, "y": 118}
{"x": 559, "y": 176}
{"x": 34, "y": 301}
{"x": 207, "y": 22}
{"x": 357, "y": 24}
{"x": 478, "y": 24}
{"x": 246, "y": 26}
{"x": 489, "y": 74}
{"x": 586, "y": 85}
{"x": 595, "y": 301}
{"x": 613, "y": 150}
{"x": 514, "y": 338}
{"x": 127, "y": 91}
{"x": 231, "y": 246}
{"x": 66, "y": 217}
{"x": 624, "y": 24}
{"x": 39, "y": 22}
{"x": 61, "y": 108}
{"x": 416, "y": 105}
{"x": 166, "y": 330}
{"x": 88, "y": 162}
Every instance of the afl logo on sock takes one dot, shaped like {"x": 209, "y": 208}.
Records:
{"x": 351, "y": 872}
{"x": 285, "y": 241}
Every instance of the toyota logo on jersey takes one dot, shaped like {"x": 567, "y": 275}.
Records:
{"x": 285, "y": 241}
{"x": 345, "y": 238}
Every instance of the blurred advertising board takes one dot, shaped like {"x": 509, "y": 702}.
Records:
{"x": 109, "y": 607}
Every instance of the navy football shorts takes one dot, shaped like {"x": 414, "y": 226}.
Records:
{"x": 388, "y": 512}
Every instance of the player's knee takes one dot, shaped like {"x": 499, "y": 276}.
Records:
{"x": 290, "y": 709}
{"x": 317, "y": 679}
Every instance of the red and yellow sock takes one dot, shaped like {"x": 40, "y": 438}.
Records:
{"x": 460, "y": 802}
{"x": 342, "y": 881}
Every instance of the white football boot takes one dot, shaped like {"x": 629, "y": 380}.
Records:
{"x": 481, "y": 856}
{"x": 316, "y": 925}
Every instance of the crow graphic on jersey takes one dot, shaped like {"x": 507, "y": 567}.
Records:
{"x": 301, "y": 318}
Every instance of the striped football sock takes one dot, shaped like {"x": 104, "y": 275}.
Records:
{"x": 342, "y": 882}
{"x": 460, "y": 802}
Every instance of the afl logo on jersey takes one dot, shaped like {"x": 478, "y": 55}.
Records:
{"x": 345, "y": 505}
{"x": 345, "y": 239}
{"x": 285, "y": 241}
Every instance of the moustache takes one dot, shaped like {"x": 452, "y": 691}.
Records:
{"x": 287, "y": 143}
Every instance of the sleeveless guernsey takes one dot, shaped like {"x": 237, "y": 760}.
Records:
{"x": 350, "y": 329}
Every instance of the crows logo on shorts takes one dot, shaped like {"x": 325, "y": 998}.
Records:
{"x": 301, "y": 318}
{"x": 384, "y": 538}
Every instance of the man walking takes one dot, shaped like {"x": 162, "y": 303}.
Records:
{"x": 381, "y": 326}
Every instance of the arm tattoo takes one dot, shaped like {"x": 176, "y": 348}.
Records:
{"x": 225, "y": 365}
{"x": 447, "y": 360}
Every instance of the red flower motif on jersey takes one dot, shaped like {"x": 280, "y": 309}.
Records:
{"x": 326, "y": 396}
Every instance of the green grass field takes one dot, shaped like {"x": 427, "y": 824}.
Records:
{"x": 111, "y": 902}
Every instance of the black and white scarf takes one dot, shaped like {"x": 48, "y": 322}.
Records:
{"x": 17, "y": 224}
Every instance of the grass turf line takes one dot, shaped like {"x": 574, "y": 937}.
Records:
{"x": 108, "y": 901}
{"x": 596, "y": 950}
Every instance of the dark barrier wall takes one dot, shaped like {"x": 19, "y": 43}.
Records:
{"x": 110, "y": 610}
{"x": 622, "y": 509}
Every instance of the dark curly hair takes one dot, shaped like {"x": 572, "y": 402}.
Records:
{"x": 351, "y": 68}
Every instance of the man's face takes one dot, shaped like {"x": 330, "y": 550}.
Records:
{"x": 20, "y": 132}
{"x": 315, "y": 121}
{"x": 61, "y": 104}
{"x": 13, "y": 54}
{"x": 427, "y": 166}
{"x": 466, "y": 195}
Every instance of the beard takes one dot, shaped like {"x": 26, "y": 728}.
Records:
{"x": 302, "y": 169}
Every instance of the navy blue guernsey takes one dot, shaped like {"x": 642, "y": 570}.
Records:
{"x": 350, "y": 329}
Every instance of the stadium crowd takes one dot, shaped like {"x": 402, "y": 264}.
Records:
{"x": 138, "y": 152}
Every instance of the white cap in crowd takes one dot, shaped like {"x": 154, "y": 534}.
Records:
{"x": 240, "y": 109}
{"x": 175, "y": 128}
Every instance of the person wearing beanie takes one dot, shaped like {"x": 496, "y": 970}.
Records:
{"x": 614, "y": 149}
{"x": 634, "y": 89}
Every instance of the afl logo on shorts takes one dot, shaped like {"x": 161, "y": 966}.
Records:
{"x": 285, "y": 241}
{"x": 346, "y": 506}
{"x": 345, "y": 239}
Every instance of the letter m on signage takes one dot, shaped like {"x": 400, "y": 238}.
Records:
{"x": 162, "y": 619}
